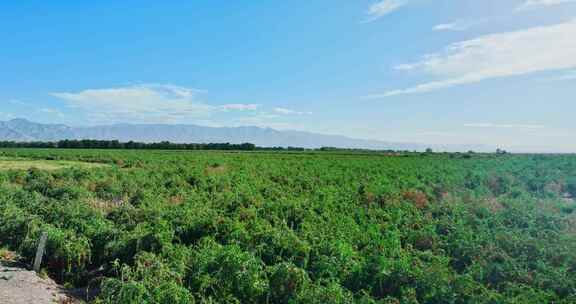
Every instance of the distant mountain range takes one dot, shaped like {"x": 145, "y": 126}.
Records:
{"x": 23, "y": 130}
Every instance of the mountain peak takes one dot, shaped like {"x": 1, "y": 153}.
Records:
{"x": 20, "y": 129}
{"x": 20, "y": 120}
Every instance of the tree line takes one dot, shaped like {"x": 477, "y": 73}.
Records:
{"x": 133, "y": 145}
{"x": 115, "y": 144}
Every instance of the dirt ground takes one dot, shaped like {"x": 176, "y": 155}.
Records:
{"x": 21, "y": 286}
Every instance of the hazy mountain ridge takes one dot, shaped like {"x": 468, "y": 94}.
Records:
{"x": 24, "y": 130}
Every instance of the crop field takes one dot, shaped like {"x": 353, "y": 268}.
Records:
{"x": 302, "y": 227}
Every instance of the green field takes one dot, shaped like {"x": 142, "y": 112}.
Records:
{"x": 264, "y": 227}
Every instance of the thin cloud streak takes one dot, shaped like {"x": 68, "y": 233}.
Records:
{"x": 504, "y": 126}
{"x": 538, "y": 49}
{"x": 453, "y": 26}
{"x": 535, "y": 4}
{"x": 383, "y": 8}
{"x": 285, "y": 111}
{"x": 240, "y": 107}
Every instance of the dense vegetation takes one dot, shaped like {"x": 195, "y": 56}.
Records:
{"x": 215, "y": 227}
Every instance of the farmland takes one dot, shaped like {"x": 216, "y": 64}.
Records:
{"x": 300, "y": 227}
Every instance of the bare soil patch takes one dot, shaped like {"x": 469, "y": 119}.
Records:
{"x": 22, "y": 286}
{"x": 27, "y": 164}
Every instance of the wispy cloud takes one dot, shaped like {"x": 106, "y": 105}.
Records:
{"x": 285, "y": 111}
{"x": 538, "y": 49}
{"x": 534, "y": 4}
{"x": 147, "y": 103}
{"x": 383, "y": 8}
{"x": 453, "y": 26}
{"x": 466, "y": 24}
{"x": 504, "y": 126}
{"x": 17, "y": 102}
{"x": 240, "y": 107}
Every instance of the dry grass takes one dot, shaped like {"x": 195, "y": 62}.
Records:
{"x": 105, "y": 206}
{"x": 492, "y": 204}
{"x": 176, "y": 200}
{"x": 416, "y": 197}
{"x": 26, "y": 164}
{"x": 7, "y": 255}
{"x": 215, "y": 170}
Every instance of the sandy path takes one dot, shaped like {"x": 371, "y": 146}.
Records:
{"x": 21, "y": 286}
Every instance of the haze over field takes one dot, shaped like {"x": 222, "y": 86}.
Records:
{"x": 440, "y": 73}
{"x": 21, "y": 130}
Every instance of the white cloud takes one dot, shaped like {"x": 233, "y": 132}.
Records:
{"x": 383, "y": 8}
{"x": 240, "y": 107}
{"x": 454, "y": 26}
{"x": 504, "y": 126}
{"x": 144, "y": 103}
{"x": 285, "y": 111}
{"x": 17, "y": 102}
{"x": 175, "y": 90}
{"x": 538, "y": 49}
{"x": 534, "y": 4}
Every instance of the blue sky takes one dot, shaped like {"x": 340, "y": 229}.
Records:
{"x": 433, "y": 71}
